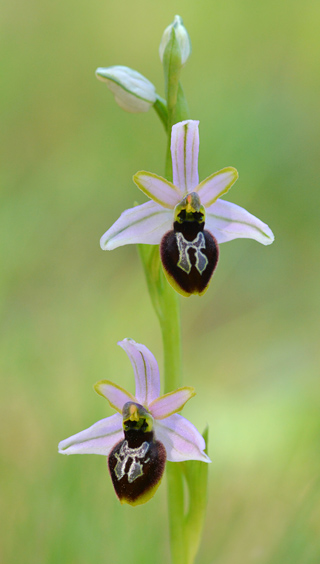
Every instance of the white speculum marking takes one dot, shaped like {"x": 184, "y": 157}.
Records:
{"x": 183, "y": 246}
{"x": 136, "y": 469}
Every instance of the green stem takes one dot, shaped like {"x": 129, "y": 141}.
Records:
{"x": 171, "y": 336}
{"x": 160, "y": 107}
{"x": 175, "y": 503}
{"x": 167, "y": 307}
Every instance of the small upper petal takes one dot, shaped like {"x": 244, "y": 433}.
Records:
{"x": 171, "y": 403}
{"x": 180, "y": 438}
{"x": 158, "y": 189}
{"x": 216, "y": 185}
{"x": 100, "y": 438}
{"x": 227, "y": 221}
{"x": 115, "y": 395}
{"x": 184, "y": 153}
{"x": 145, "y": 369}
{"x": 142, "y": 224}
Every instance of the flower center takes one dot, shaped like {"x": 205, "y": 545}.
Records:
{"x": 190, "y": 209}
{"x": 136, "y": 418}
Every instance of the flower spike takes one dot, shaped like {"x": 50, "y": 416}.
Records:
{"x": 146, "y": 431}
{"x": 186, "y": 218}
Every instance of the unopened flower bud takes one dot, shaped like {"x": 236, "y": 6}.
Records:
{"x": 132, "y": 91}
{"x": 182, "y": 37}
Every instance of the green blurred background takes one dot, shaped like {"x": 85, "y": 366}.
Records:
{"x": 251, "y": 344}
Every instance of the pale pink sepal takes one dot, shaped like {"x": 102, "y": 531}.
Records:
{"x": 100, "y": 438}
{"x": 227, "y": 221}
{"x": 146, "y": 371}
{"x": 158, "y": 189}
{"x": 171, "y": 403}
{"x": 184, "y": 153}
{"x": 216, "y": 185}
{"x": 115, "y": 395}
{"x": 142, "y": 224}
{"x": 181, "y": 439}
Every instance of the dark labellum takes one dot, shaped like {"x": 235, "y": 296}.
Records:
{"x": 189, "y": 255}
{"x": 136, "y": 465}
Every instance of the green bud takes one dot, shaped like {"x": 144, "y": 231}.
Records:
{"x": 182, "y": 38}
{"x": 132, "y": 91}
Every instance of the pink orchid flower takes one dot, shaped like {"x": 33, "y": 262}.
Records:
{"x": 146, "y": 431}
{"x": 187, "y": 218}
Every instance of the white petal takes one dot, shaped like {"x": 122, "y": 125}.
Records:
{"x": 158, "y": 189}
{"x": 100, "y": 438}
{"x": 180, "y": 438}
{"x": 184, "y": 153}
{"x": 142, "y": 224}
{"x": 115, "y": 395}
{"x": 146, "y": 371}
{"x": 227, "y": 221}
{"x": 216, "y": 185}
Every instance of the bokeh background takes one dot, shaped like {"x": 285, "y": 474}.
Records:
{"x": 250, "y": 345}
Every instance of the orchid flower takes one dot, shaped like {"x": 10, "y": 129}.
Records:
{"x": 146, "y": 431}
{"x": 178, "y": 211}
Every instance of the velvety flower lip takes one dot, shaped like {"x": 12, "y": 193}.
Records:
{"x": 149, "y": 222}
{"x": 182, "y": 441}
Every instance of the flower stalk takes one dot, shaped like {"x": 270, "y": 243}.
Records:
{"x": 160, "y": 107}
{"x": 185, "y": 525}
{"x": 167, "y": 307}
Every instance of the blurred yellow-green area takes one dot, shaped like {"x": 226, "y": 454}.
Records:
{"x": 250, "y": 345}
